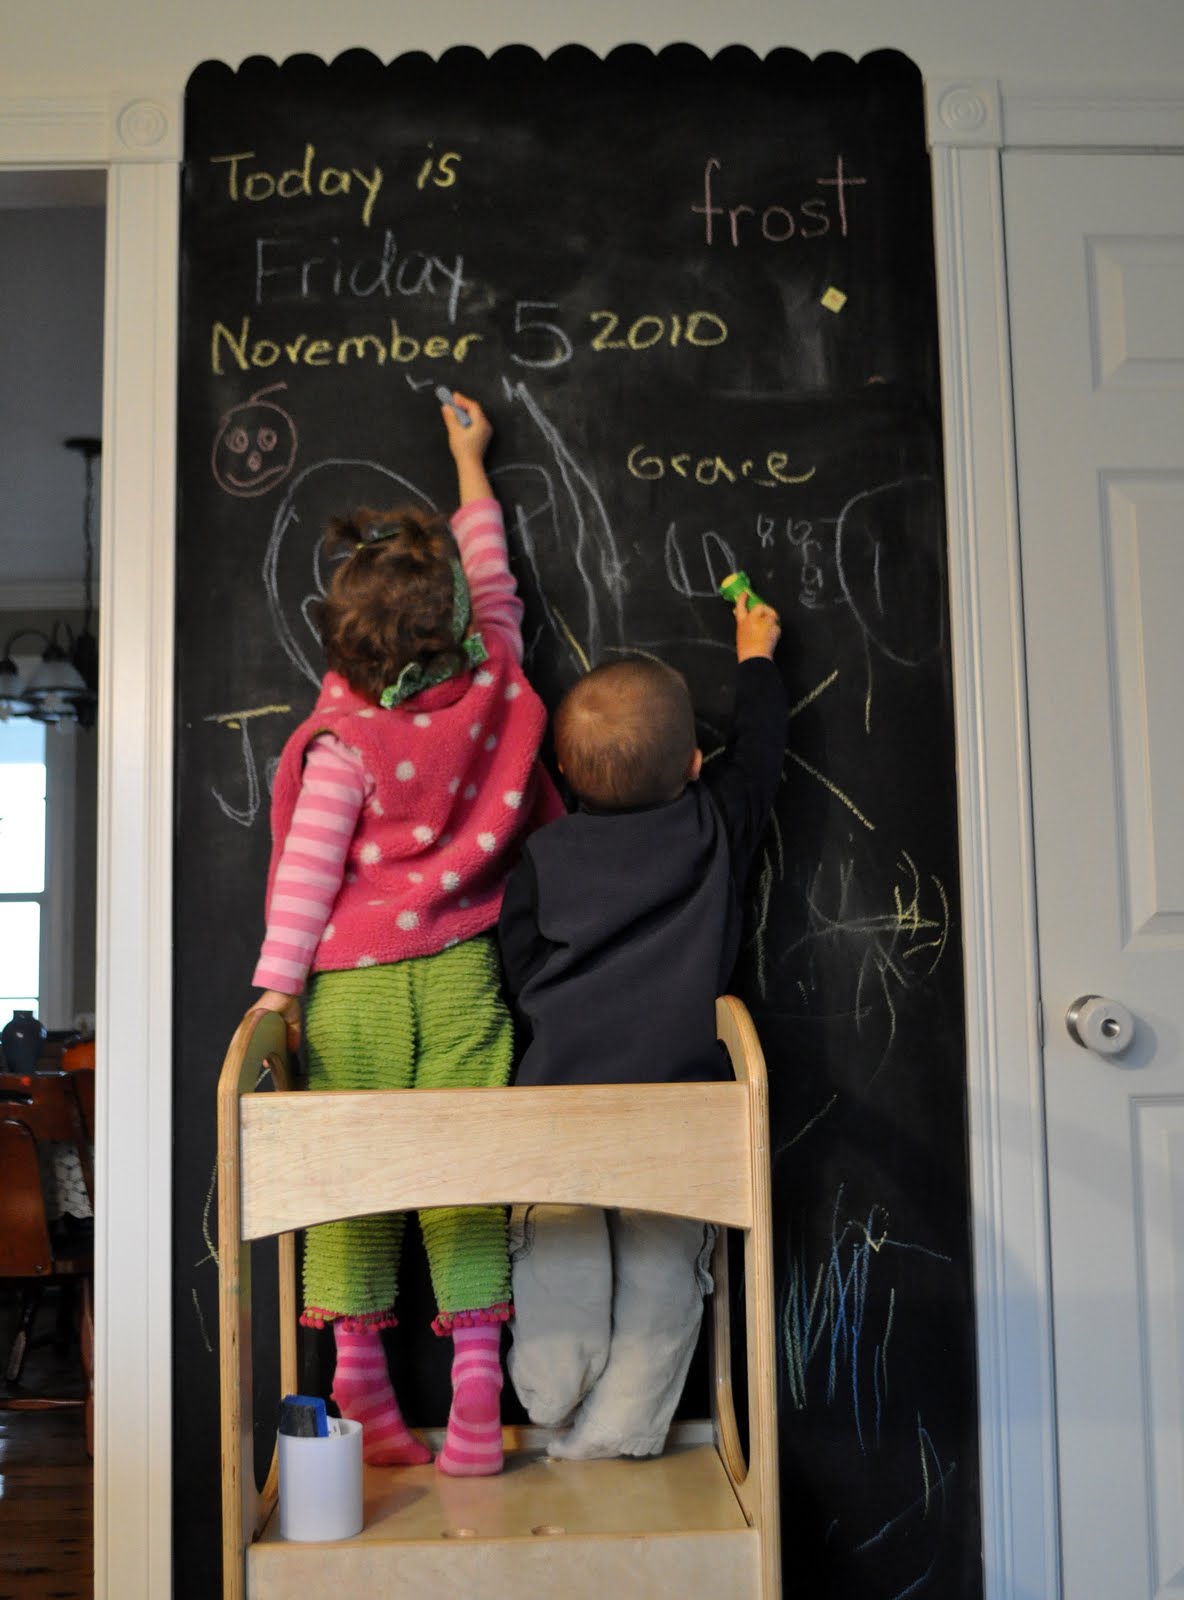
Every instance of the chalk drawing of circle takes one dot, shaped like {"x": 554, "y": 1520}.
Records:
{"x": 296, "y": 571}
{"x": 890, "y": 560}
{"x": 255, "y": 446}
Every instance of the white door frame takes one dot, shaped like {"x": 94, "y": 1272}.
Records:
{"x": 970, "y": 124}
{"x": 136, "y": 137}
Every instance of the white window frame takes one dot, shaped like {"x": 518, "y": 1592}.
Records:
{"x": 58, "y": 942}
{"x": 55, "y": 955}
{"x": 58, "y": 980}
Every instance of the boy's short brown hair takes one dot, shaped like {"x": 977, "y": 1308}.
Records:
{"x": 391, "y": 601}
{"x": 625, "y": 734}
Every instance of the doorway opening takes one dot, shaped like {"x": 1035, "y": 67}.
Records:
{"x": 52, "y": 256}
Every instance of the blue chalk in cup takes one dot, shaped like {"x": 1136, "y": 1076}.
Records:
{"x": 321, "y": 1483}
{"x": 304, "y": 1415}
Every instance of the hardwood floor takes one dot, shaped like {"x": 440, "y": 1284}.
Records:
{"x": 46, "y": 1518}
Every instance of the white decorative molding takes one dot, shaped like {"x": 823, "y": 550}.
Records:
{"x": 963, "y": 112}
{"x": 1106, "y": 118}
{"x": 53, "y": 132}
{"x": 145, "y": 128}
{"x": 133, "y": 987}
{"x": 133, "y": 1167}
{"x": 985, "y": 113}
{"x": 1013, "y": 1301}
{"x": 91, "y": 130}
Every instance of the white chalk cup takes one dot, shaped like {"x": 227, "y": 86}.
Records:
{"x": 321, "y": 1484}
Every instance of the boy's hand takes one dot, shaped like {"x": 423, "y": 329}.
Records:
{"x": 757, "y": 631}
{"x": 467, "y": 444}
{"x": 288, "y": 1007}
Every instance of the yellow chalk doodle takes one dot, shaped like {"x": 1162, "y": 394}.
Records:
{"x": 834, "y": 299}
{"x": 808, "y": 699}
{"x": 573, "y": 641}
{"x": 235, "y": 719}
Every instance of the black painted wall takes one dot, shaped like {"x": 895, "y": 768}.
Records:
{"x": 697, "y": 298}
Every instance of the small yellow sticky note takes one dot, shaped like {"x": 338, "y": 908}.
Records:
{"x": 834, "y": 299}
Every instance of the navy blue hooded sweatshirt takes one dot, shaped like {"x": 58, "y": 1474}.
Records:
{"x": 618, "y": 929}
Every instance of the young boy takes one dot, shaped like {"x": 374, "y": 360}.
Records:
{"x": 620, "y": 926}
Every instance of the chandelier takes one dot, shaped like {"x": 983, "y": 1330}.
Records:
{"x": 63, "y": 687}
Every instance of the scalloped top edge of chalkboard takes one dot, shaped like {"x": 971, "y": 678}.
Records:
{"x": 782, "y": 64}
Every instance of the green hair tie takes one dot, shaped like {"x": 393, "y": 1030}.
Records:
{"x": 414, "y": 678}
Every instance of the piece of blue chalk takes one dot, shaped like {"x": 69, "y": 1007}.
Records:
{"x": 304, "y": 1416}
{"x": 444, "y": 396}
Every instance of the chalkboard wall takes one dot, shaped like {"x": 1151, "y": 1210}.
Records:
{"x": 696, "y": 296}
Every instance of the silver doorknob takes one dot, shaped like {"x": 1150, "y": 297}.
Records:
{"x": 1104, "y": 1026}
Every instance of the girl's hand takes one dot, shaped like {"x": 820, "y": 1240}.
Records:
{"x": 288, "y": 1007}
{"x": 757, "y": 631}
{"x": 468, "y": 448}
{"x": 467, "y": 444}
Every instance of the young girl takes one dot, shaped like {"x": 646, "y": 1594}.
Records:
{"x": 397, "y": 811}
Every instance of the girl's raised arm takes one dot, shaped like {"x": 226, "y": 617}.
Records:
{"x": 479, "y": 529}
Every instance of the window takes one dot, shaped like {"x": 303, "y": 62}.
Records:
{"x": 22, "y": 864}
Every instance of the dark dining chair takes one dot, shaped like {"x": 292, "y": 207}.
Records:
{"x": 40, "y": 1109}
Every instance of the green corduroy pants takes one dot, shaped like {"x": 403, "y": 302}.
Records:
{"x": 433, "y": 1022}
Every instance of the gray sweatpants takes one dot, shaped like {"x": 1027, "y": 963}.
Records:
{"x": 607, "y": 1307}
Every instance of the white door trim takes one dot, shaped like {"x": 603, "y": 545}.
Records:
{"x": 1007, "y": 1167}
{"x": 136, "y": 138}
{"x": 970, "y": 123}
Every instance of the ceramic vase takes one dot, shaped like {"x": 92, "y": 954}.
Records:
{"x": 22, "y": 1039}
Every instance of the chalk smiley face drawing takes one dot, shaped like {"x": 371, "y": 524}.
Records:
{"x": 255, "y": 445}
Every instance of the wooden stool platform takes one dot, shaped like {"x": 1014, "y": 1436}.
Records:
{"x": 662, "y": 1527}
{"x": 698, "y": 1521}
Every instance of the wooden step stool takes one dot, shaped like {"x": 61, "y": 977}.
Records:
{"x": 695, "y": 1522}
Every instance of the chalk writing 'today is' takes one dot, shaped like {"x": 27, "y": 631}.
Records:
{"x": 259, "y": 184}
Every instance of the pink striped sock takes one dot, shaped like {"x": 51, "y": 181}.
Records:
{"x": 363, "y": 1392}
{"x": 473, "y": 1441}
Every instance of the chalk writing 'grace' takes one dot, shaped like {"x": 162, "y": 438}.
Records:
{"x": 255, "y": 184}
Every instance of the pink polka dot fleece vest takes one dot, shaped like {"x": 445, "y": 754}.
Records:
{"x": 453, "y": 785}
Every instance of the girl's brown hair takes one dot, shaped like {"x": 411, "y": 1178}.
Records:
{"x": 390, "y": 602}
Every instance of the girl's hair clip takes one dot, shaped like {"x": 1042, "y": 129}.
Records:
{"x": 377, "y": 532}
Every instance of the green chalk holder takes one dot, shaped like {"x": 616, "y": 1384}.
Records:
{"x": 737, "y": 584}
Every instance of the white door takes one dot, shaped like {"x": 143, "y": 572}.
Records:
{"x": 1095, "y": 252}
